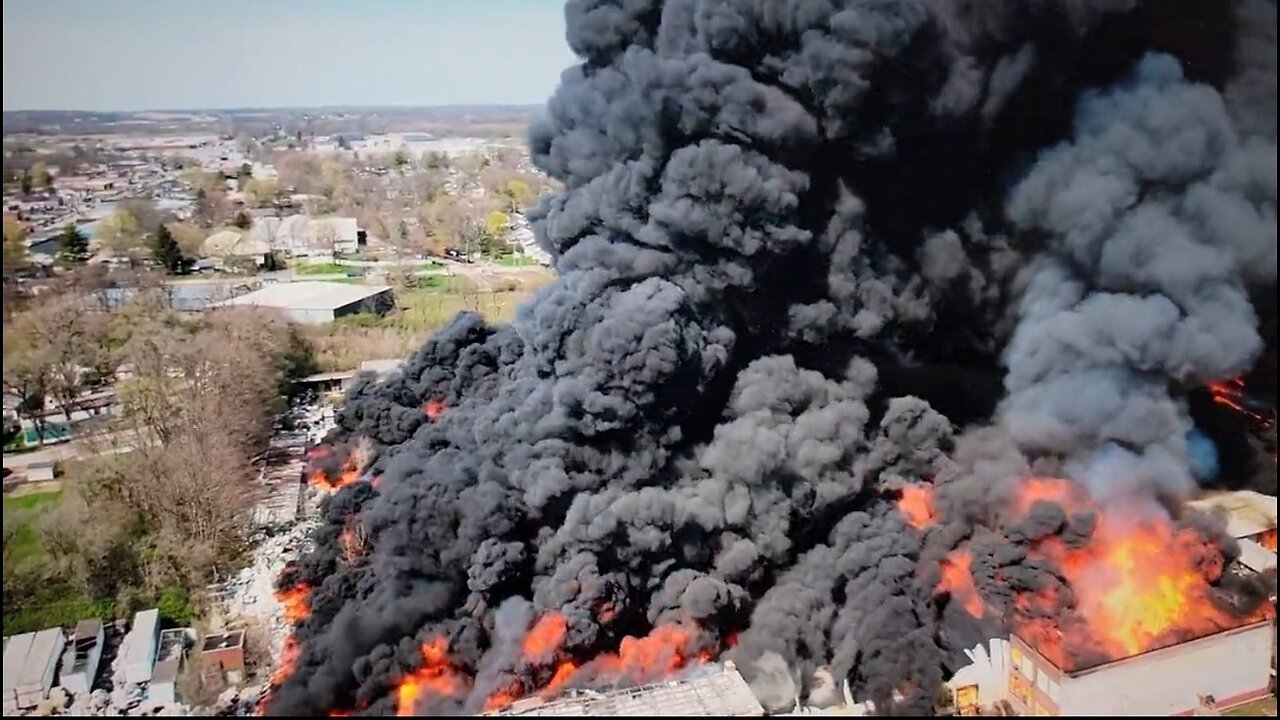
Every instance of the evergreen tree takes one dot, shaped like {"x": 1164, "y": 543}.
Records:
{"x": 165, "y": 251}
{"x": 73, "y": 246}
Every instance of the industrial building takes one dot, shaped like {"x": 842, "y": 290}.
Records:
{"x": 318, "y": 302}
{"x": 719, "y": 691}
{"x": 1215, "y": 671}
{"x": 1223, "y": 669}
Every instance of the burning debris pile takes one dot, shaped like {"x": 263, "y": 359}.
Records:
{"x": 781, "y": 222}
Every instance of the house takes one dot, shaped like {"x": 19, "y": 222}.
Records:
{"x": 302, "y": 236}
{"x": 229, "y": 244}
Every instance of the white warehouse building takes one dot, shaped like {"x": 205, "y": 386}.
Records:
{"x": 317, "y": 302}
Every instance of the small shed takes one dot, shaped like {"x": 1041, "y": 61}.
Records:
{"x": 139, "y": 649}
{"x": 224, "y": 651}
{"x": 30, "y": 663}
{"x": 80, "y": 661}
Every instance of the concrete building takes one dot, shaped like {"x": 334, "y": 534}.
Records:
{"x": 1224, "y": 669}
{"x": 80, "y": 661}
{"x": 317, "y": 302}
{"x": 139, "y": 650}
{"x": 30, "y": 663}
{"x": 714, "y": 692}
{"x": 224, "y": 653}
{"x": 1248, "y": 515}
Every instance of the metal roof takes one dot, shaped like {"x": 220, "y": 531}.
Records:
{"x": 714, "y": 693}
{"x": 1246, "y": 512}
{"x": 311, "y": 295}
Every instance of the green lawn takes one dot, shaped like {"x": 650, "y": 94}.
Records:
{"x": 320, "y": 268}
{"x": 20, "y": 515}
{"x": 517, "y": 260}
{"x": 1257, "y": 708}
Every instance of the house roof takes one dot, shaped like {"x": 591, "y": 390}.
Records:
{"x": 312, "y": 295}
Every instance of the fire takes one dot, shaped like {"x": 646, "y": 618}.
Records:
{"x": 662, "y": 652}
{"x": 1138, "y": 583}
{"x": 288, "y": 659}
{"x": 545, "y": 636}
{"x": 351, "y": 543}
{"x": 958, "y": 581}
{"x": 433, "y": 407}
{"x": 294, "y": 601}
{"x": 916, "y": 505}
{"x": 435, "y": 677}
{"x": 1268, "y": 539}
{"x": 666, "y": 649}
{"x": 560, "y": 677}
{"x": 350, "y": 473}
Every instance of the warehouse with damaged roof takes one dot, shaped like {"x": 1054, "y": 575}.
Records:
{"x": 1207, "y": 673}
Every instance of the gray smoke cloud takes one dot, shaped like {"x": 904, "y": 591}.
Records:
{"x": 769, "y": 209}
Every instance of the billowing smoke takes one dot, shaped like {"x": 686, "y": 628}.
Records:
{"x": 782, "y": 223}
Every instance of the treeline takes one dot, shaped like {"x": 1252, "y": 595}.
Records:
{"x": 158, "y": 508}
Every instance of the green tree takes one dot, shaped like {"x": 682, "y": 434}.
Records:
{"x": 518, "y": 193}
{"x": 121, "y": 233}
{"x": 400, "y": 159}
{"x": 26, "y": 182}
{"x": 73, "y": 246}
{"x": 166, "y": 252}
{"x": 242, "y": 220}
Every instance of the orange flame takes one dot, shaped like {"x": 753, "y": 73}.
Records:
{"x": 545, "y": 636}
{"x": 288, "y": 658}
{"x": 666, "y": 649}
{"x": 1138, "y": 583}
{"x": 435, "y": 677}
{"x": 294, "y": 601}
{"x": 916, "y": 505}
{"x": 663, "y": 651}
{"x": 957, "y": 579}
{"x": 433, "y": 407}
{"x": 350, "y": 473}
{"x": 564, "y": 671}
{"x": 1268, "y": 539}
{"x": 351, "y": 544}
{"x": 1230, "y": 393}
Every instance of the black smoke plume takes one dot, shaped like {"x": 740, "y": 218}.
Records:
{"x": 768, "y": 206}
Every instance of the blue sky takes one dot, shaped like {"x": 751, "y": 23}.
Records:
{"x": 171, "y": 54}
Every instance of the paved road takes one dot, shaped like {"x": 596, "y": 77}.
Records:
{"x": 52, "y": 453}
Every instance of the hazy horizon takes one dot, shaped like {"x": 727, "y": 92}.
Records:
{"x": 154, "y": 55}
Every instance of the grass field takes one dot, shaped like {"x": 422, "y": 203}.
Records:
{"x": 419, "y": 312}
{"x": 20, "y": 515}
{"x": 1257, "y": 708}
{"x": 319, "y": 268}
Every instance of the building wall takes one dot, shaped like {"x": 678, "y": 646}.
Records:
{"x": 1230, "y": 666}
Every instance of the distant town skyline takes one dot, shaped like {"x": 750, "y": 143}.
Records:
{"x": 215, "y": 54}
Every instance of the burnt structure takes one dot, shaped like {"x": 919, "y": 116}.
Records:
{"x": 777, "y": 219}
